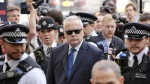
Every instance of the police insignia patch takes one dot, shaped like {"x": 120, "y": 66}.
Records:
{"x": 44, "y": 23}
{"x": 17, "y": 31}
{"x": 50, "y": 25}
{"x": 61, "y": 30}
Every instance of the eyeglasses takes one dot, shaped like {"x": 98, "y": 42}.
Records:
{"x": 14, "y": 15}
{"x": 76, "y": 31}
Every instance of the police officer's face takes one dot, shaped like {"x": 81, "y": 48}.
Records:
{"x": 108, "y": 29}
{"x": 136, "y": 46}
{"x": 14, "y": 51}
{"x": 106, "y": 77}
{"x": 14, "y": 16}
{"x": 98, "y": 23}
{"x": 75, "y": 37}
{"x": 88, "y": 28}
{"x": 48, "y": 36}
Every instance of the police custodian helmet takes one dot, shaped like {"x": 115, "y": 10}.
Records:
{"x": 15, "y": 33}
{"x": 46, "y": 23}
{"x": 136, "y": 30}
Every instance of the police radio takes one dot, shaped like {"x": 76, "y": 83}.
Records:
{"x": 38, "y": 56}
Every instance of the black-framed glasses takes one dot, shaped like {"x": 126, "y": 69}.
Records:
{"x": 76, "y": 31}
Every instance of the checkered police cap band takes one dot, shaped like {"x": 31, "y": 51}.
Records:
{"x": 134, "y": 30}
{"x": 86, "y": 19}
{"x": 17, "y": 33}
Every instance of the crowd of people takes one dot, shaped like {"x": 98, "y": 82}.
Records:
{"x": 78, "y": 49}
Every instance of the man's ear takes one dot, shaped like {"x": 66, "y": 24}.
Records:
{"x": 121, "y": 80}
{"x": 91, "y": 80}
{"x": 92, "y": 25}
{"x": 147, "y": 40}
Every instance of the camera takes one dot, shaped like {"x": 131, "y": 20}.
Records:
{"x": 24, "y": 7}
{"x": 37, "y": 3}
{"x": 119, "y": 19}
{"x": 106, "y": 9}
{"x": 42, "y": 10}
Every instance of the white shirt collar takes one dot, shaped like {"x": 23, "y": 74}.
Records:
{"x": 93, "y": 33}
{"x": 54, "y": 44}
{"x": 139, "y": 56}
{"x": 13, "y": 63}
{"x": 77, "y": 47}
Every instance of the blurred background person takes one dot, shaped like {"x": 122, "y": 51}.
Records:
{"x": 13, "y": 14}
{"x": 98, "y": 24}
{"x": 61, "y": 37}
{"x": 106, "y": 72}
{"x": 88, "y": 23}
{"x": 145, "y": 19}
{"x": 130, "y": 12}
{"x": 108, "y": 7}
{"x": 58, "y": 17}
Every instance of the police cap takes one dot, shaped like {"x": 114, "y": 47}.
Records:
{"x": 15, "y": 33}
{"x": 86, "y": 17}
{"x": 136, "y": 30}
{"x": 46, "y": 23}
{"x": 60, "y": 30}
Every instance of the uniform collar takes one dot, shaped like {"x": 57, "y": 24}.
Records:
{"x": 140, "y": 55}
{"x": 54, "y": 44}
{"x": 13, "y": 63}
{"x": 93, "y": 33}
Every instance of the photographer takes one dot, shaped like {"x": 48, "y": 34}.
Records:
{"x": 108, "y": 7}
{"x": 108, "y": 29}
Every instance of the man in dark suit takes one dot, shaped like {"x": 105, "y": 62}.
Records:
{"x": 72, "y": 62}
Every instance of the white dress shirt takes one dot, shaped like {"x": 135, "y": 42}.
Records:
{"x": 30, "y": 77}
{"x": 54, "y": 44}
{"x": 77, "y": 50}
{"x": 93, "y": 33}
{"x": 139, "y": 56}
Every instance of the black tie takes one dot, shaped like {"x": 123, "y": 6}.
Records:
{"x": 135, "y": 62}
{"x": 7, "y": 68}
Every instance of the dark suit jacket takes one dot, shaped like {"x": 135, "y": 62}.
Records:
{"x": 81, "y": 71}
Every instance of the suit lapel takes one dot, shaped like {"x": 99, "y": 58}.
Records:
{"x": 81, "y": 54}
{"x": 65, "y": 54}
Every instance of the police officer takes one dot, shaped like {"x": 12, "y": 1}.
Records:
{"x": 16, "y": 67}
{"x": 61, "y": 37}
{"x": 88, "y": 23}
{"x": 136, "y": 62}
{"x": 89, "y": 33}
{"x": 48, "y": 35}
